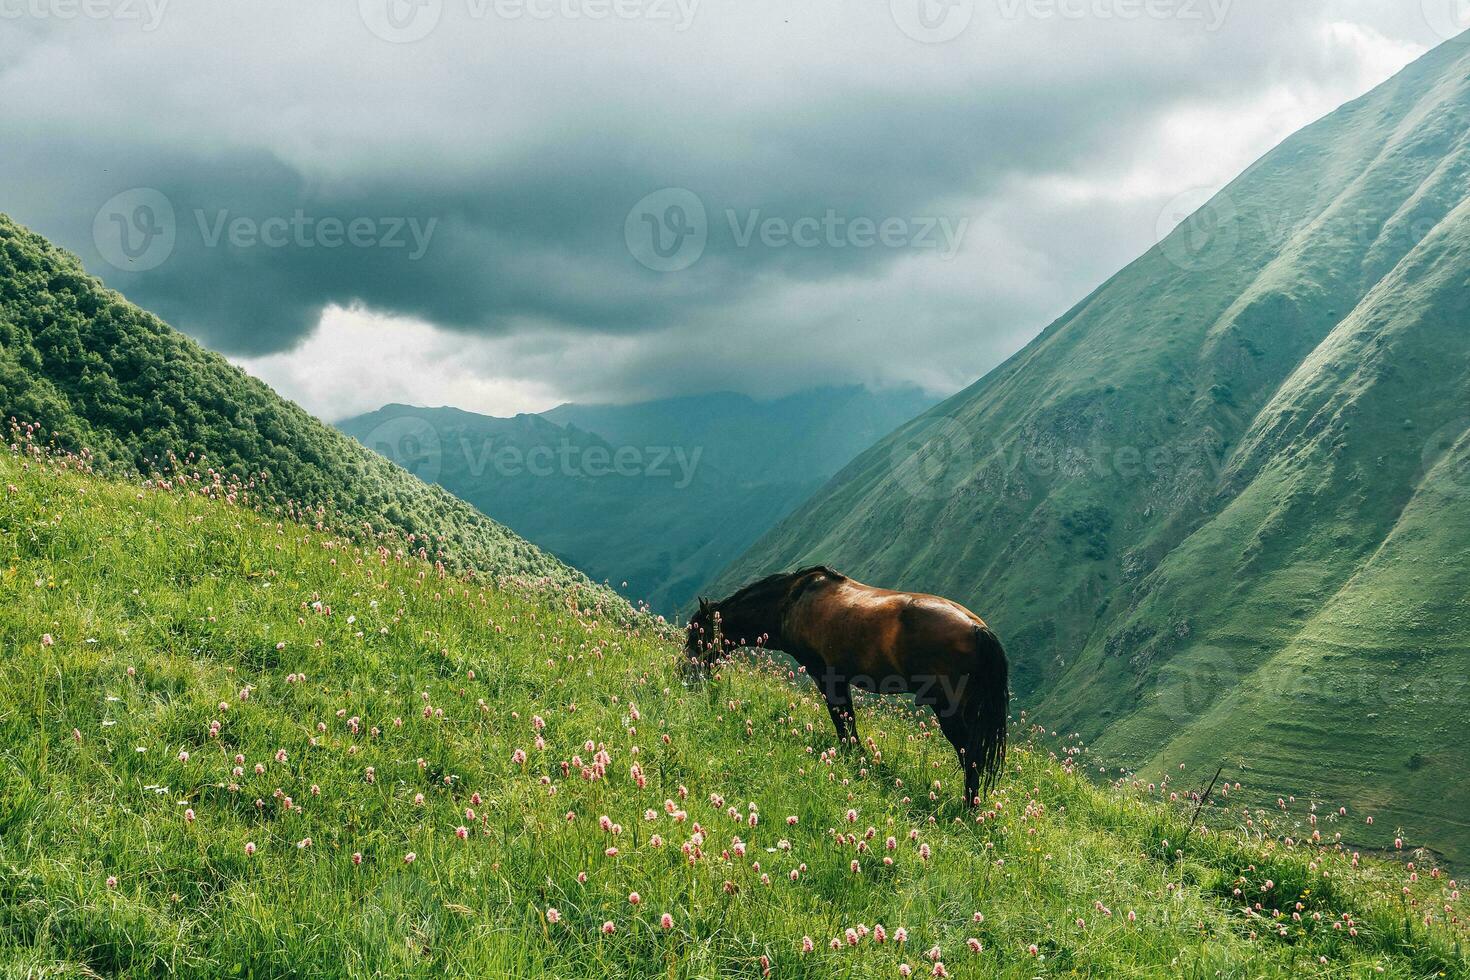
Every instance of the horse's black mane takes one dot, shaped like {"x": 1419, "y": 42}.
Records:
{"x": 781, "y": 579}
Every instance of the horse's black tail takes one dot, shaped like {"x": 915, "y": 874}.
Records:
{"x": 990, "y": 706}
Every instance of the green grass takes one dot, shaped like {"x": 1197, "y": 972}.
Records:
{"x": 133, "y": 620}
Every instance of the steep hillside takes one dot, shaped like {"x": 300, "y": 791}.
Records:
{"x": 239, "y": 747}
{"x": 1220, "y": 510}
{"x": 98, "y": 373}
{"x": 653, "y": 498}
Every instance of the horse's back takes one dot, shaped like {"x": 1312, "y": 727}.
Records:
{"x": 913, "y": 609}
{"x": 900, "y": 632}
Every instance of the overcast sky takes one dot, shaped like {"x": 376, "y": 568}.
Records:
{"x": 505, "y": 204}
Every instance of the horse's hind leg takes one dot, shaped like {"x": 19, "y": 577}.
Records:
{"x": 972, "y": 780}
{"x": 952, "y": 722}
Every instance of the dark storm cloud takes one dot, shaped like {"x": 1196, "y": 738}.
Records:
{"x": 481, "y": 180}
{"x": 542, "y": 237}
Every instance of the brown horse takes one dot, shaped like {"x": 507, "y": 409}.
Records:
{"x": 846, "y": 635}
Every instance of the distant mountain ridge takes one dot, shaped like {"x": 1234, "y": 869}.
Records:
{"x": 99, "y": 373}
{"x": 652, "y": 497}
{"x": 808, "y": 435}
{"x": 1220, "y": 510}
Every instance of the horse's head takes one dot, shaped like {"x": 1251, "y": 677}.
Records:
{"x": 700, "y": 642}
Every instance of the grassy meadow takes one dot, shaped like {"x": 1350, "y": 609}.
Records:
{"x": 236, "y": 746}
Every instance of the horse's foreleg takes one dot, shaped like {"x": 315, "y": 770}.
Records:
{"x": 838, "y": 693}
{"x": 854, "y": 739}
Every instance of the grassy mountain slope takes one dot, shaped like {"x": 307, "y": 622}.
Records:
{"x": 654, "y": 497}
{"x": 98, "y": 373}
{"x": 1208, "y": 508}
{"x": 230, "y": 746}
